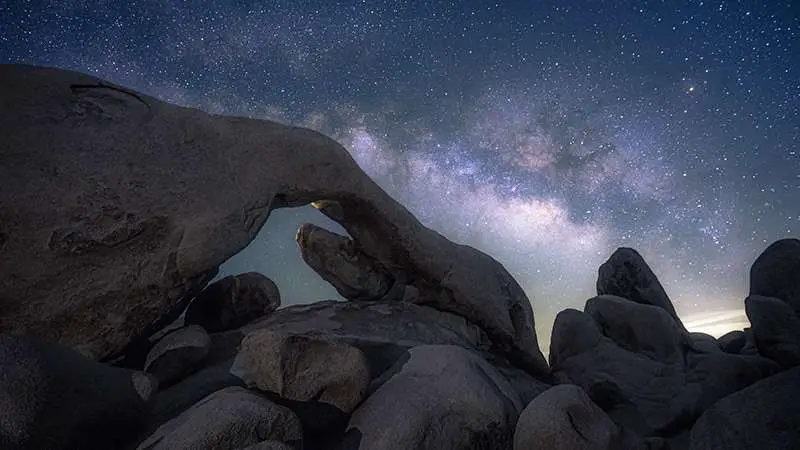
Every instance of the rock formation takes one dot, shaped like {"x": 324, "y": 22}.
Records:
{"x": 115, "y": 204}
{"x": 117, "y": 209}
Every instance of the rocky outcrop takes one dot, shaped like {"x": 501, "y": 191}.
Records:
{"x": 627, "y": 275}
{"x": 639, "y": 366}
{"x": 442, "y": 397}
{"x": 115, "y": 203}
{"x": 774, "y": 273}
{"x": 301, "y": 368}
{"x": 230, "y": 418}
{"x": 233, "y": 302}
{"x": 775, "y": 328}
{"x": 564, "y": 418}
{"x": 177, "y": 354}
{"x": 732, "y": 342}
{"x": 765, "y": 415}
{"x": 355, "y": 275}
{"x": 54, "y": 398}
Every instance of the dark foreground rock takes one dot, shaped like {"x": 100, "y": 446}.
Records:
{"x": 115, "y": 203}
{"x": 564, "y": 418}
{"x": 764, "y": 416}
{"x": 774, "y": 273}
{"x": 231, "y": 418}
{"x": 775, "y": 328}
{"x": 177, "y": 354}
{"x": 54, "y": 398}
{"x": 233, "y": 302}
{"x": 442, "y": 397}
{"x": 639, "y": 366}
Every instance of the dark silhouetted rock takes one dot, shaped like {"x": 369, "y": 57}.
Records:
{"x": 565, "y": 418}
{"x": 704, "y": 343}
{"x": 303, "y": 368}
{"x": 442, "y": 397}
{"x": 354, "y": 275}
{"x": 732, "y": 342}
{"x": 52, "y": 397}
{"x": 776, "y": 273}
{"x": 763, "y": 416}
{"x": 231, "y": 418}
{"x": 233, "y": 302}
{"x": 270, "y": 445}
{"x": 776, "y": 329}
{"x": 159, "y": 194}
{"x": 627, "y": 275}
{"x": 177, "y": 354}
{"x": 638, "y": 365}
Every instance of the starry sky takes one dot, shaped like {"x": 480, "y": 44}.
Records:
{"x": 545, "y": 133}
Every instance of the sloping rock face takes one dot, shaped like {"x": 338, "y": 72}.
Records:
{"x": 765, "y": 415}
{"x": 776, "y": 329}
{"x": 354, "y": 275}
{"x": 442, "y": 397}
{"x": 775, "y": 273}
{"x": 627, "y": 275}
{"x": 635, "y": 362}
{"x": 177, "y": 354}
{"x": 115, "y": 204}
{"x": 52, "y": 397}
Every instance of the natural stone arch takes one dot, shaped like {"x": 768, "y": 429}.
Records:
{"x": 115, "y": 205}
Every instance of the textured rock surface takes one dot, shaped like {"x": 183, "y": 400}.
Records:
{"x": 177, "y": 354}
{"x": 114, "y": 202}
{"x": 776, "y": 329}
{"x": 52, "y": 397}
{"x": 775, "y": 272}
{"x": 627, "y": 275}
{"x": 302, "y": 368}
{"x": 354, "y": 275}
{"x": 565, "y": 418}
{"x": 231, "y": 418}
{"x": 233, "y": 301}
{"x": 442, "y": 397}
{"x": 765, "y": 415}
{"x": 642, "y": 369}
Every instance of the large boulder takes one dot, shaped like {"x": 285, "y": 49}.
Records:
{"x": 638, "y": 365}
{"x": 775, "y": 273}
{"x": 233, "y": 301}
{"x": 231, "y": 418}
{"x": 442, "y": 397}
{"x": 355, "y": 275}
{"x": 763, "y": 416}
{"x": 177, "y": 354}
{"x": 114, "y": 203}
{"x": 301, "y": 368}
{"x": 565, "y": 418}
{"x": 732, "y": 341}
{"x": 52, "y": 397}
{"x": 627, "y": 275}
{"x": 776, "y": 329}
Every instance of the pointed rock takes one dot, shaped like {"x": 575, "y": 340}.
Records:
{"x": 627, "y": 275}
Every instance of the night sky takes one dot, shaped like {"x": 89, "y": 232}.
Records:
{"x": 543, "y": 133}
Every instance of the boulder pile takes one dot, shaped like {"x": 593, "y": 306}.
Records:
{"x": 117, "y": 209}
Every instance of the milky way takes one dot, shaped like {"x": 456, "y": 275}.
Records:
{"x": 543, "y": 133}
